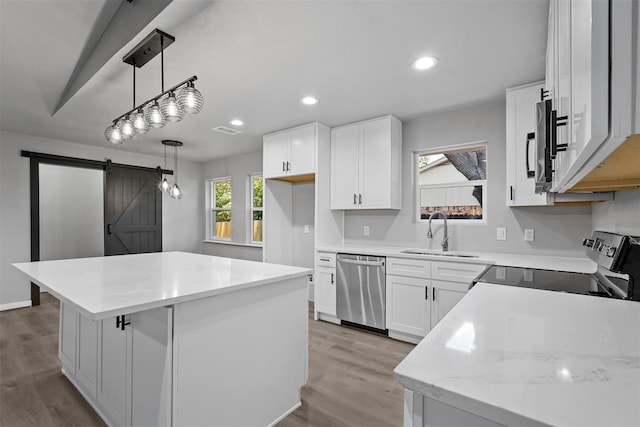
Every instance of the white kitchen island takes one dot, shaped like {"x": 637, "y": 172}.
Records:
{"x": 526, "y": 357}
{"x": 181, "y": 339}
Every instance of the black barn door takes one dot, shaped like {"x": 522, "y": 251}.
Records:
{"x": 132, "y": 211}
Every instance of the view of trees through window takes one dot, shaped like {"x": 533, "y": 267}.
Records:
{"x": 221, "y": 209}
{"x": 256, "y": 208}
{"x": 452, "y": 182}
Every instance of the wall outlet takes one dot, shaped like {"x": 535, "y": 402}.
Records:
{"x": 306, "y": 229}
{"x": 501, "y": 233}
{"x": 365, "y": 230}
{"x": 528, "y": 234}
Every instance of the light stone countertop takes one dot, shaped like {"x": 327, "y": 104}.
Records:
{"x": 558, "y": 263}
{"x": 521, "y": 356}
{"x": 103, "y": 287}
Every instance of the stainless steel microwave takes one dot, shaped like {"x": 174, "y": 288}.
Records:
{"x": 544, "y": 127}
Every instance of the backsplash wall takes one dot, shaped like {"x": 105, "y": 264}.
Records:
{"x": 558, "y": 230}
{"x": 621, "y": 215}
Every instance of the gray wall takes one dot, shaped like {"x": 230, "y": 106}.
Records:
{"x": 303, "y": 214}
{"x": 239, "y": 168}
{"x": 558, "y": 230}
{"x": 621, "y": 215}
{"x": 71, "y": 212}
{"x": 182, "y": 219}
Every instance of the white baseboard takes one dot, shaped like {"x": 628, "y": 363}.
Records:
{"x": 12, "y": 305}
{"x": 283, "y": 416}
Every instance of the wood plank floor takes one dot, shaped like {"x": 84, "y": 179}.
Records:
{"x": 350, "y": 375}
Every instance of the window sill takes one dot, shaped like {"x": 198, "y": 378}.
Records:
{"x": 227, "y": 242}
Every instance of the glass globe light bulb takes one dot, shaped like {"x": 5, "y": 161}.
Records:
{"x": 191, "y": 99}
{"x": 126, "y": 128}
{"x": 164, "y": 185}
{"x": 140, "y": 123}
{"x": 154, "y": 116}
{"x": 113, "y": 135}
{"x": 175, "y": 192}
{"x": 171, "y": 109}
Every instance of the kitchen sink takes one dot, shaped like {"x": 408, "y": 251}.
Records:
{"x": 423, "y": 252}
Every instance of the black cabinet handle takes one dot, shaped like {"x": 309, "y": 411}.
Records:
{"x": 530, "y": 172}
{"x": 426, "y": 292}
{"x": 433, "y": 293}
{"x": 288, "y": 167}
{"x": 543, "y": 94}
{"x": 355, "y": 200}
{"x": 359, "y": 199}
{"x": 332, "y": 279}
{"x": 511, "y": 192}
{"x": 121, "y": 322}
{"x": 284, "y": 166}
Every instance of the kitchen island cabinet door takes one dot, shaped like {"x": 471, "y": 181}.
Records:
{"x": 87, "y": 363}
{"x": 68, "y": 338}
{"x": 114, "y": 370}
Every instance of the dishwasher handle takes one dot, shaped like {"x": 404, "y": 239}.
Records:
{"x": 358, "y": 262}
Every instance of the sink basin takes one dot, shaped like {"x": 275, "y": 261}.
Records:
{"x": 425, "y": 252}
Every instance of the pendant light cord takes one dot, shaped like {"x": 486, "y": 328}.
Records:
{"x": 175, "y": 162}
{"x": 162, "y": 60}
{"x": 134, "y": 86}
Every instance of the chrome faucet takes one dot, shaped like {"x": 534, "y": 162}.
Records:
{"x": 445, "y": 239}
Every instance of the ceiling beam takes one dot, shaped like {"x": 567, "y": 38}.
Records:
{"x": 117, "y": 24}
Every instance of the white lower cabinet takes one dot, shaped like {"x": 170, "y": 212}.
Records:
{"x": 422, "y": 411}
{"x": 325, "y": 284}
{"x": 125, "y": 374}
{"x": 421, "y": 292}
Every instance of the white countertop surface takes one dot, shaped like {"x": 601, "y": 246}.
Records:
{"x": 109, "y": 286}
{"x": 573, "y": 264}
{"x": 526, "y": 356}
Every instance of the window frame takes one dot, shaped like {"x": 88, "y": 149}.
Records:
{"x": 253, "y": 209}
{"x": 418, "y": 187}
{"x": 212, "y": 209}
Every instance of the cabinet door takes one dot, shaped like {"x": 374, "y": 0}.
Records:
{"x": 445, "y": 296}
{"x": 303, "y": 150}
{"x": 113, "y": 370}
{"x": 521, "y": 150}
{"x": 344, "y": 167}
{"x": 87, "y": 366}
{"x": 68, "y": 337}
{"x": 151, "y": 373}
{"x": 325, "y": 290}
{"x": 408, "y": 308}
{"x": 275, "y": 155}
{"x": 375, "y": 164}
{"x": 589, "y": 83}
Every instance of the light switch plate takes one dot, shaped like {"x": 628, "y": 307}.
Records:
{"x": 501, "y": 233}
{"x": 528, "y": 234}
{"x": 365, "y": 230}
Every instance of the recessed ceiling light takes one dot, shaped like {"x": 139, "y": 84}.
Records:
{"x": 424, "y": 63}
{"x": 236, "y": 122}
{"x": 309, "y": 100}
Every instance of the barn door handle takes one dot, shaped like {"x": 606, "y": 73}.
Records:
{"x": 109, "y": 229}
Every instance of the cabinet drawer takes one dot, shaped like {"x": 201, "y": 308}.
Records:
{"x": 326, "y": 259}
{"x": 455, "y": 272}
{"x": 409, "y": 267}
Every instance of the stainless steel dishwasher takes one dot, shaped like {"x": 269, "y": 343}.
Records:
{"x": 361, "y": 290}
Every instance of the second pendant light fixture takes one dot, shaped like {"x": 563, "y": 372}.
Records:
{"x": 173, "y": 190}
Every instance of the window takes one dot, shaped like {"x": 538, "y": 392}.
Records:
{"x": 256, "y": 213}
{"x": 220, "y": 208}
{"x": 453, "y": 181}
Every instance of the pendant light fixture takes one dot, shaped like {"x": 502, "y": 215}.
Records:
{"x": 175, "y": 192}
{"x": 164, "y": 184}
{"x": 169, "y": 106}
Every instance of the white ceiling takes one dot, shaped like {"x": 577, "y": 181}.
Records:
{"x": 256, "y": 59}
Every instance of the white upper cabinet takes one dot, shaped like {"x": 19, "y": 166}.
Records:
{"x": 290, "y": 152}
{"x": 590, "y": 80}
{"x": 365, "y": 164}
